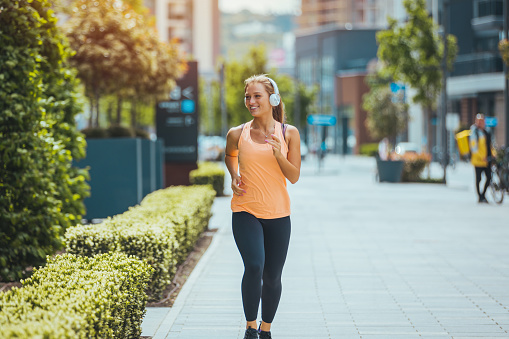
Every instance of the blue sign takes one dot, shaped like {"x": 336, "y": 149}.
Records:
{"x": 491, "y": 121}
{"x": 187, "y": 106}
{"x": 321, "y": 120}
{"x": 395, "y": 87}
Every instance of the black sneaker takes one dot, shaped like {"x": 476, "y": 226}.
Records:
{"x": 263, "y": 334}
{"x": 251, "y": 333}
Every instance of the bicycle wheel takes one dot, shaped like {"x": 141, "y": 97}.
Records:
{"x": 496, "y": 189}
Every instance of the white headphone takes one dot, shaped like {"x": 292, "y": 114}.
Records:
{"x": 275, "y": 98}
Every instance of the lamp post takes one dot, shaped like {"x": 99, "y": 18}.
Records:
{"x": 224, "y": 116}
{"x": 506, "y": 82}
{"x": 443, "y": 133}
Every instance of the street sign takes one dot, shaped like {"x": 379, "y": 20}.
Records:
{"x": 491, "y": 121}
{"x": 177, "y": 119}
{"x": 321, "y": 120}
{"x": 395, "y": 87}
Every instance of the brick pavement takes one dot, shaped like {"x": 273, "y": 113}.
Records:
{"x": 366, "y": 260}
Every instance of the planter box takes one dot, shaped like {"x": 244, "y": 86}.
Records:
{"x": 122, "y": 172}
{"x": 389, "y": 171}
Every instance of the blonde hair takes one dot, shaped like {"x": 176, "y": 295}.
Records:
{"x": 278, "y": 112}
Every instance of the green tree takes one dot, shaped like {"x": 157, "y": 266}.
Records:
{"x": 387, "y": 115}
{"x": 41, "y": 194}
{"x": 254, "y": 62}
{"x": 412, "y": 53}
{"x": 118, "y": 53}
{"x": 307, "y": 101}
{"x": 210, "y": 107}
{"x": 503, "y": 47}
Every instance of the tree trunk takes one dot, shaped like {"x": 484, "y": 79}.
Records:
{"x": 97, "y": 107}
{"x": 429, "y": 136}
{"x": 110, "y": 113}
{"x": 91, "y": 117}
{"x": 133, "y": 114}
{"x": 119, "y": 109}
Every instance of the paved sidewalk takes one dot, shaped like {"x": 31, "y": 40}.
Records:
{"x": 366, "y": 260}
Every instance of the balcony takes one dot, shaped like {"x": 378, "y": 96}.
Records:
{"x": 477, "y": 63}
{"x": 488, "y": 15}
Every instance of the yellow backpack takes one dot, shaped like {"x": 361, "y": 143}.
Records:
{"x": 462, "y": 140}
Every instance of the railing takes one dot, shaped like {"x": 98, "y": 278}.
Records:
{"x": 477, "y": 63}
{"x": 484, "y": 8}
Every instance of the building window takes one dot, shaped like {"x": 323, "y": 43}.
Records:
{"x": 484, "y": 8}
{"x": 176, "y": 12}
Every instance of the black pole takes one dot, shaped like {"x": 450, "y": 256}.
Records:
{"x": 224, "y": 124}
{"x": 506, "y": 87}
{"x": 443, "y": 139}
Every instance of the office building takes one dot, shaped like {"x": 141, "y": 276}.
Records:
{"x": 476, "y": 85}
{"x": 194, "y": 24}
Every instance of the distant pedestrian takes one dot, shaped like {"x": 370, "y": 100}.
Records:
{"x": 260, "y": 155}
{"x": 480, "y": 152}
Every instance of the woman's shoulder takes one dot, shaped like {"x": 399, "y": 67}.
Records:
{"x": 235, "y": 132}
{"x": 291, "y": 130}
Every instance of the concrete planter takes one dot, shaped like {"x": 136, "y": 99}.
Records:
{"x": 389, "y": 170}
{"x": 122, "y": 172}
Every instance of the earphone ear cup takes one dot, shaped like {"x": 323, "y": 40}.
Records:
{"x": 274, "y": 99}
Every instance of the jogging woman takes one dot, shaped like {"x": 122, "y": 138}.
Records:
{"x": 260, "y": 155}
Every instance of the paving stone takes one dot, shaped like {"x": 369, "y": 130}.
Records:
{"x": 366, "y": 260}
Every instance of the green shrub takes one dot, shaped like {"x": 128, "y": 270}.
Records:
{"x": 78, "y": 297}
{"x": 161, "y": 231}
{"x": 368, "y": 149}
{"x": 208, "y": 173}
{"x": 41, "y": 194}
{"x": 141, "y": 133}
{"x": 95, "y": 132}
{"x": 117, "y": 131}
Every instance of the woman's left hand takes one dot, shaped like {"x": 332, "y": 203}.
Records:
{"x": 276, "y": 145}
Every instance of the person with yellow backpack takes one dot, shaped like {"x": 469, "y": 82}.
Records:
{"x": 480, "y": 154}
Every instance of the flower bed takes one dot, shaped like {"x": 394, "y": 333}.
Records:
{"x": 414, "y": 165}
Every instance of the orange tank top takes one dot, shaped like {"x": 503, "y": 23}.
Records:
{"x": 266, "y": 196}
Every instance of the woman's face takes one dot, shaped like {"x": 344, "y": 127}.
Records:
{"x": 257, "y": 100}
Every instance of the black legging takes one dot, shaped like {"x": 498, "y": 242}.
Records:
{"x": 263, "y": 244}
{"x": 478, "y": 172}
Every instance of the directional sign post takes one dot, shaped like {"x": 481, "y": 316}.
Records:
{"x": 321, "y": 120}
{"x": 177, "y": 119}
{"x": 177, "y": 126}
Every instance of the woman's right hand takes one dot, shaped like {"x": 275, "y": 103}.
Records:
{"x": 236, "y": 183}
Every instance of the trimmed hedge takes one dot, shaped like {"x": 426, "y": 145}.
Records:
{"x": 78, "y": 297}
{"x": 208, "y": 173}
{"x": 370, "y": 149}
{"x": 161, "y": 231}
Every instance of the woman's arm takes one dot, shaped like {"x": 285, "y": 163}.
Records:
{"x": 231, "y": 158}
{"x": 290, "y": 166}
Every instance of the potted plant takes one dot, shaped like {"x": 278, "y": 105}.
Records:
{"x": 386, "y": 118}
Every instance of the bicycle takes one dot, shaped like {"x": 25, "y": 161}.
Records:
{"x": 500, "y": 175}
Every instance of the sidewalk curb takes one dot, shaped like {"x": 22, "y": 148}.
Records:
{"x": 166, "y": 324}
